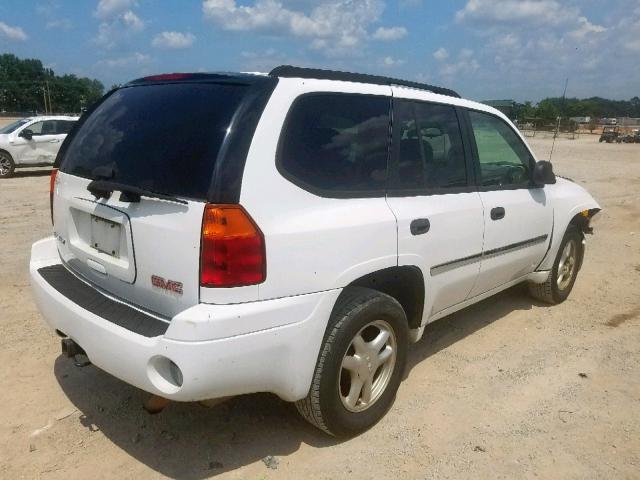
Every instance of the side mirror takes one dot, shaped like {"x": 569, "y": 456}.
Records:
{"x": 543, "y": 173}
{"x": 26, "y": 133}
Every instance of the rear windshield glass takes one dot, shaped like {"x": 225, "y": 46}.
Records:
{"x": 162, "y": 138}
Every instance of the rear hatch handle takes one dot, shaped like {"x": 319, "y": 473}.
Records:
{"x": 104, "y": 188}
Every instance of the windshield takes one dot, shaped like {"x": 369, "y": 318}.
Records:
{"x": 163, "y": 138}
{"x": 14, "y": 126}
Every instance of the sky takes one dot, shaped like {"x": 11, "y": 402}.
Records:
{"x": 484, "y": 49}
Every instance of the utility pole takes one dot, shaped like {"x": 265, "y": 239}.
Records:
{"x": 49, "y": 96}
{"x": 44, "y": 96}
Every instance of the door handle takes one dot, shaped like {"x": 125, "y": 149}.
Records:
{"x": 55, "y": 140}
{"x": 420, "y": 226}
{"x": 497, "y": 213}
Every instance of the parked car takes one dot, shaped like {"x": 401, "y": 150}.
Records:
{"x": 32, "y": 142}
{"x": 217, "y": 235}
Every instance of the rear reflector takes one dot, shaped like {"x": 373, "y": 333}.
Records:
{"x": 52, "y": 186}
{"x": 232, "y": 249}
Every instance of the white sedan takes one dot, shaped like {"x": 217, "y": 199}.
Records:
{"x": 32, "y": 142}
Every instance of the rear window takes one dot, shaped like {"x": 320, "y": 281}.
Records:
{"x": 164, "y": 138}
{"x": 336, "y": 145}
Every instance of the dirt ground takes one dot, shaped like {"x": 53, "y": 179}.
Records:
{"x": 508, "y": 388}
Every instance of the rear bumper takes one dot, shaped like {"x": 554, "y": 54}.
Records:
{"x": 221, "y": 350}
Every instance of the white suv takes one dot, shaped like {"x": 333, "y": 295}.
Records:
{"x": 221, "y": 234}
{"x": 32, "y": 142}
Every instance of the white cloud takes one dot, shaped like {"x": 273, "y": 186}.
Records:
{"x": 109, "y": 8}
{"x": 514, "y": 11}
{"x": 136, "y": 58}
{"x": 465, "y": 64}
{"x": 586, "y": 28}
{"x": 173, "y": 40}
{"x": 59, "y": 24}
{"x": 389, "y": 34}
{"x": 392, "y": 62}
{"x": 441, "y": 54}
{"x": 334, "y": 27}
{"x": 132, "y": 21}
{"x": 12, "y": 33}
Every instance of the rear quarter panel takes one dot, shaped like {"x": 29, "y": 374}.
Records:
{"x": 313, "y": 243}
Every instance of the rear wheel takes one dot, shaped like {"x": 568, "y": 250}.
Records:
{"x": 6, "y": 165}
{"x": 360, "y": 365}
{"x": 565, "y": 269}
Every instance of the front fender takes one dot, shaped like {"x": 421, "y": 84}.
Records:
{"x": 568, "y": 200}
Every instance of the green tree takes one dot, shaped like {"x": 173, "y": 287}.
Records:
{"x": 25, "y": 86}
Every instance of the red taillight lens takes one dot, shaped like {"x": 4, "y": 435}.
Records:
{"x": 232, "y": 251}
{"x": 52, "y": 186}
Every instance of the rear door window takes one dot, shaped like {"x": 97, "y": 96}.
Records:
{"x": 163, "y": 138}
{"x": 428, "y": 148}
{"x": 63, "y": 126}
{"x": 336, "y": 145}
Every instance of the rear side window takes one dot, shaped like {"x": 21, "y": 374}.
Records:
{"x": 428, "y": 147}
{"x": 504, "y": 159}
{"x": 63, "y": 126}
{"x": 164, "y": 137}
{"x": 336, "y": 145}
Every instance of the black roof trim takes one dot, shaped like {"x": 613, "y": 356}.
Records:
{"x": 289, "y": 71}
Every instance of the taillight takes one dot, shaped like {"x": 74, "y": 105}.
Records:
{"x": 232, "y": 250}
{"x": 52, "y": 186}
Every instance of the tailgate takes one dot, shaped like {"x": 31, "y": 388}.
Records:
{"x": 146, "y": 253}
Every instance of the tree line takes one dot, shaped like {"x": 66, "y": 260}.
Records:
{"x": 551, "y": 108}
{"x": 26, "y": 86}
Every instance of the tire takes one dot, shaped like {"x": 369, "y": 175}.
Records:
{"x": 6, "y": 165}
{"x": 329, "y": 406}
{"x": 559, "y": 284}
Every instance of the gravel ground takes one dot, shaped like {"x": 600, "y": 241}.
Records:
{"x": 508, "y": 388}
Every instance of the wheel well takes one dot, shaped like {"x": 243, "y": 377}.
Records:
{"x": 581, "y": 222}
{"x": 405, "y": 284}
{"x": 4, "y": 151}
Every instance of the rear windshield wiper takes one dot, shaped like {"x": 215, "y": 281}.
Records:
{"x": 104, "y": 189}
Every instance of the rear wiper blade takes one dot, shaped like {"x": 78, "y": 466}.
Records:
{"x": 104, "y": 188}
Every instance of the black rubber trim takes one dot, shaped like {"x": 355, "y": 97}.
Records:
{"x": 87, "y": 297}
{"x": 288, "y": 71}
{"x": 445, "y": 267}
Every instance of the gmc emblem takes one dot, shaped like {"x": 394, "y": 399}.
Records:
{"x": 168, "y": 285}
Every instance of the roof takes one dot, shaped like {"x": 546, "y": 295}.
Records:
{"x": 289, "y": 71}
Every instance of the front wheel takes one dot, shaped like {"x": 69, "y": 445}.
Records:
{"x": 360, "y": 365}
{"x": 6, "y": 165}
{"x": 565, "y": 269}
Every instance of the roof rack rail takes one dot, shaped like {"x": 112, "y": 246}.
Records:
{"x": 290, "y": 71}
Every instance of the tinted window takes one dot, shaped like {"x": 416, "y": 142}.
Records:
{"x": 337, "y": 143}
{"x": 164, "y": 138}
{"x": 36, "y": 128}
{"x": 63, "y": 126}
{"x": 48, "y": 127}
{"x": 504, "y": 159}
{"x": 428, "y": 146}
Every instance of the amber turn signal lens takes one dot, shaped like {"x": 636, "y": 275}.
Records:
{"x": 232, "y": 248}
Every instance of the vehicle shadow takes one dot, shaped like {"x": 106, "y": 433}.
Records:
{"x": 42, "y": 172}
{"x": 449, "y": 330}
{"x": 189, "y": 441}
{"x": 186, "y": 440}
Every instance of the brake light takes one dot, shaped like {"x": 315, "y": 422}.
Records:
{"x": 52, "y": 186}
{"x": 232, "y": 252}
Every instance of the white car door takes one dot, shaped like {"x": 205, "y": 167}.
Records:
{"x": 518, "y": 217}
{"x": 439, "y": 213}
{"x": 42, "y": 147}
